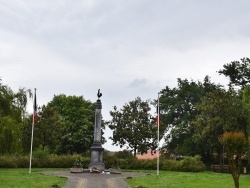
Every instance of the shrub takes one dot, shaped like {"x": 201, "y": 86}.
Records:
{"x": 8, "y": 162}
{"x": 171, "y": 165}
{"x": 192, "y": 164}
{"x": 23, "y": 161}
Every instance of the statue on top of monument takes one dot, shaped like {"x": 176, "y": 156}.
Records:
{"x": 99, "y": 94}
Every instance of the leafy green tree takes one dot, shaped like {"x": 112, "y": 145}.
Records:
{"x": 134, "y": 126}
{"x": 220, "y": 111}
{"x": 178, "y": 110}
{"x": 246, "y": 104}
{"x": 235, "y": 144}
{"x": 6, "y": 98}
{"x": 21, "y": 100}
{"x": 124, "y": 154}
{"x": 12, "y": 107}
{"x": 238, "y": 72}
{"x": 10, "y": 135}
{"x": 50, "y": 129}
{"x": 78, "y": 116}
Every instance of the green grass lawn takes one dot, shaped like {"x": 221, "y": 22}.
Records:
{"x": 188, "y": 180}
{"x": 20, "y": 178}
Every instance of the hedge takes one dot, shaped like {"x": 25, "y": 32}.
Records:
{"x": 188, "y": 164}
{"x": 49, "y": 161}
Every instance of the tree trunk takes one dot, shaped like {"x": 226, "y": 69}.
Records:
{"x": 236, "y": 182}
{"x": 135, "y": 151}
{"x": 234, "y": 171}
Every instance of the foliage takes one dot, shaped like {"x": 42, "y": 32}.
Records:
{"x": 192, "y": 164}
{"x": 77, "y": 114}
{"x": 238, "y": 72}
{"x": 134, "y": 126}
{"x": 10, "y": 135}
{"x": 43, "y": 161}
{"x": 77, "y": 163}
{"x": 235, "y": 144}
{"x": 219, "y": 111}
{"x": 188, "y": 164}
{"x": 124, "y": 154}
{"x": 246, "y": 104}
{"x": 50, "y": 129}
{"x": 12, "y": 112}
{"x": 178, "y": 110}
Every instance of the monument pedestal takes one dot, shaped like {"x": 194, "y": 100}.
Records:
{"x": 96, "y": 158}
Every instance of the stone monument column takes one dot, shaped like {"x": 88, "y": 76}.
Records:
{"x": 97, "y": 149}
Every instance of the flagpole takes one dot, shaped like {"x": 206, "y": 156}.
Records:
{"x": 33, "y": 122}
{"x": 158, "y": 134}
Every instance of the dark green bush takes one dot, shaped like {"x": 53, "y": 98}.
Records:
{"x": 23, "y": 161}
{"x": 125, "y": 154}
{"x": 171, "y": 165}
{"x": 192, "y": 164}
{"x": 8, "y": 162}
{"x": 45, "y": 161}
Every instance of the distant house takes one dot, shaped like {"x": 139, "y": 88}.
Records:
{"x": 149, "y": 155}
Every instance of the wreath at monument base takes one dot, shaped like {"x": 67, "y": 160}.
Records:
{"x": 96, "y": 170}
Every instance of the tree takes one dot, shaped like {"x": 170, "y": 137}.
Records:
{"x": 51, "y": 128}
{"x": 133, "y": 125}
{"x": 12, "y": 107}
{"x": 235, "y": 144}
{"x": 78, "y": 116}
{"x": 10, "y": 135}
{"x": 246, "y": 104}
{"x": 219, "y": 111}
{"x": 178, "y": 110}
{"x": 21, "y": 99}
{"x": 238, "y": 72}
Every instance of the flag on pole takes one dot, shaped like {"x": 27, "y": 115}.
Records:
{"x": 157, "y": 120}
{"x": 35, "y": 116}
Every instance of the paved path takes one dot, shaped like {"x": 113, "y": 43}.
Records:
{"x": 94, "y": 180}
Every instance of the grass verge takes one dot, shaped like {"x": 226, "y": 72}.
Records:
{"x": 170, "y": 179}
{"x": 20, "y": 178}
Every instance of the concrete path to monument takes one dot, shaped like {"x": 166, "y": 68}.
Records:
{"x": 95, "y": 180}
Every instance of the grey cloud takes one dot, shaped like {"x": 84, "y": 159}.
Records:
{"x": 138, "y": 83}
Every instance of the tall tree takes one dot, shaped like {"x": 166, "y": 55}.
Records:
{"x": 12, "y": 106}
{"x": 238, "y": 72}
{"x": 78, "y": 117}
{"x": 48, "y": 131}
{"x": 220, "y": 111}
{"x": 133, "y": 126}
{"x": 51, "y": 128}
{"x": 21, "y": 100}
{"x": 10, "y": 135}
{"x": 6, "y": 98}
{"x": 178, "y": 110}
{"x": 246, "y": 104}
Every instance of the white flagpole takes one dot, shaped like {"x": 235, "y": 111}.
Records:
{"x": 158, "y": 134}
{"x": 33, "y": 122}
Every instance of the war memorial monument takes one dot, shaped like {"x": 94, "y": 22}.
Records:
{"x": 97, "y": 149}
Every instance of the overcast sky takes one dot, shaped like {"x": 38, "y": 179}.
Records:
{"x": 126, "y": 48}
